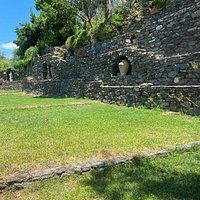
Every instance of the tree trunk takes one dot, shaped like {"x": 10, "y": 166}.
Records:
{"x": 108, "y": 8}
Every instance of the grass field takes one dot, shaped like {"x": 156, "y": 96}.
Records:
{"x": 17, "y": 99}
{"x": 174, "y": 176}
{"x": 42, "y": 137}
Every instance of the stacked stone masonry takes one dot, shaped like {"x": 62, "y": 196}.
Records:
{"x": 15, "y": 85}
{"x": 163, "y": 50}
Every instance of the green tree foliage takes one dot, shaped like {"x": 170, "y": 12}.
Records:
{"x": 4, "y": 64}
{"x": 72, "y": 22}
{"x": 59, "y": 20}
{"x": 21, "y": 64}
{"x": 161, "y": 3}
{"x": 54, "y": 24}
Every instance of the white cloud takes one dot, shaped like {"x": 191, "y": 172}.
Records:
{"x": 8, "y": 46}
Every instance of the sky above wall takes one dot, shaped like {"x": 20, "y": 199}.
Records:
{"x": 12, "y": 12}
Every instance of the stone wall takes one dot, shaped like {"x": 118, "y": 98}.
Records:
{"x": 163, "y": 49}
{"x": 160, "y": 49}
{"x": 15, "y": 85}
{"x": 183, "y": 98}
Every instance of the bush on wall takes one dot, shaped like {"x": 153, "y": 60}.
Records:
{"x": 160, "y": 3}
{"x": 101, "y": 30}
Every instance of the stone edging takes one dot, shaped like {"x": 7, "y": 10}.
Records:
{"x": 20, "y": 181}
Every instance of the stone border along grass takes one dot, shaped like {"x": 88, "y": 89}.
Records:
{"x": 20, "y": 181}
{"x": 47, "y": 106}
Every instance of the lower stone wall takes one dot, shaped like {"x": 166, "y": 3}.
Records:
{"x": 174, "y": 98}
{"x": 68, "y": 88}
{"x": 15, "y": 85}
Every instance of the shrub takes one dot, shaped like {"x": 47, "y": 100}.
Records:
{"x": 4, "y": 65}
{"x": 161, "y": 3}
{"x": 101, "y": 30}
{"x": 78, "y": 40}
{"x": 110, "y": 27}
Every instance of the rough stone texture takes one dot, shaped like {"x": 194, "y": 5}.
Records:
{"x": 15, "y": 85}
{"x": 173, "y": 97}
{"x": 163, "y": 49}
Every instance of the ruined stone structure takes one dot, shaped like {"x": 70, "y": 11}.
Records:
{"x": 163, "y": 51}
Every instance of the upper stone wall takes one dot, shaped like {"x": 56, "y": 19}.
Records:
{"x": 175, "y": 30}
{"x": 163, "y": 49}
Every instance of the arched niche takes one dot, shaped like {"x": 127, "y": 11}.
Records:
{"x": 45, "y": 70}
{"x": 50, "y": 71}
{"x": 115, "y": 66}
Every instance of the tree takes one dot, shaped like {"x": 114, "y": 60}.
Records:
{"x": 2, "y": 56}
{"x": 108, "y": 8}
{"x": 54, "y": 24}
{"x": 4, "y": 64}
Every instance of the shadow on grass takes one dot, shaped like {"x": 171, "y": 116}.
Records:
{"x": 141, "y": 179}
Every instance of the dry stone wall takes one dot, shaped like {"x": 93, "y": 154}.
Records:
{"x": 15, "y": 85}
{"x": 163, "y": 50}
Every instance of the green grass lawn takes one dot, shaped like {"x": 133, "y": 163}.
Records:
{"x": 16, "y": 99}
{"x": 174, "y": 176}
{"x": 43, "y": 137}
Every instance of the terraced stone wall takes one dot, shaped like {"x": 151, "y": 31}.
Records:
{"x": 163, "y": 49}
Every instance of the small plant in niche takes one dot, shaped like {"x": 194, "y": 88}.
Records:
{"x": 195, "y": 65}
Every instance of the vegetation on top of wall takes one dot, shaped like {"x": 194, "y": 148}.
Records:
{"x": 4, "y": 65}
{"x": 77, "y": 40}
{"x": 4, "y": 62}
{"x": 110, "y": 27}
{"x": 101, "y": 30}
{"x": 21, "y": 64}
{"x": 57, "y": 21}
{"x": 161, "y": 3}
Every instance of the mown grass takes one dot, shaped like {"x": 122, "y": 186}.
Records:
{"x": 15, "y": 99}
{"x": 174, "y": 176}
{"x": 44, "y": 137}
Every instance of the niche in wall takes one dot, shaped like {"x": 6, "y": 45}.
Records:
{"x": 50, "y": 72}
{"x": 45, "y": 70}
{"x": 133, "y": 38}
{"x": 115, "y": 66}
{"x": 47, "y": 73}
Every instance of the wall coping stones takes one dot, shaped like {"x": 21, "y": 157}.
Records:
{"x": 147, "y": 85}
{"x": 20, "y": 181}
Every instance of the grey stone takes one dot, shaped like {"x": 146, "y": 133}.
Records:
{"x": 78, "y": 169}
{"x": 60, "y": 170}
{"x": 172, "y": 74}
{"x": 86, "y": 168}
{"x": 196, "y": 14}
{"x": 98, "y": 165}
{"x": 194, "y": 111}
{"x": 2, "y": 186}
{"x": 192, "y": 29}
{"x": 161, "y": 152}
{"x": 65, "y": 174}
{"x": 13, "y": 180}
{"x": 18, "y": 186}
{"x": 41, "y": 175}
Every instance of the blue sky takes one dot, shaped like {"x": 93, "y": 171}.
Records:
{"x": 12, "y": 12}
